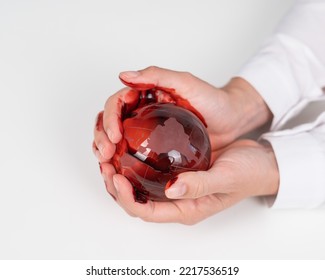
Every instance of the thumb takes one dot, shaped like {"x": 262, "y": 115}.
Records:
{"x": 154, "y": 77}
{"x": 191, "y": 185}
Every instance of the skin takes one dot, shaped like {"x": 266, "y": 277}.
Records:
{"x": 240, "y": 168}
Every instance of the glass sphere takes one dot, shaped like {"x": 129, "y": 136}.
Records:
{"x": 160, "y": 141}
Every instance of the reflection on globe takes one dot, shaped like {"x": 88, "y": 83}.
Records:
{"x": 160, "y": 141}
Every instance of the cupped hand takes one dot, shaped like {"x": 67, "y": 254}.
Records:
{"x": 228, "y": 112}
{"x": 243, "y": 169}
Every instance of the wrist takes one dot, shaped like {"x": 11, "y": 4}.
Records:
{"x": 250, "y": 109}
{"x": 271, "y": 171}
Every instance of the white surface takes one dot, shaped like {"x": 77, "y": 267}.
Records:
{"x": 59, "y": 62}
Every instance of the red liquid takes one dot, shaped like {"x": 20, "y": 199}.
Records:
{"x": 160, "y": 141}
{"x": 163, "y": 95}
{"x": 99, "y": 121}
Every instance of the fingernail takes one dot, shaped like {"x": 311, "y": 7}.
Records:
{"x": 109, "y": 134}
{"x": 130, "y": 74}
{"x": 97, "y": 154}
{"x": 116, "y": 184}
{"x": 101, "y": 149}
{"x": 109, "y": 192}
{"x": 176, "y": 190}
{"x": 104, "y": 177}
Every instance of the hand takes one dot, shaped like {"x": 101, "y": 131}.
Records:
{"x": 229, "y": 112}
{"x": 243, "y": 169}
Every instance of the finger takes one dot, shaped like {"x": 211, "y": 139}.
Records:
{"x": 198, "y": 184}
{"x": 102, "y": 143}
{"x": 97, "y": 153}
{"x": 125, "y": 195}
{"x": 159, "y": 212}
{"x": 170, "y": 81}
{"x": 125, "y": 99}
{"x": 108, "y": 172}
{"x": 156, "y": 77}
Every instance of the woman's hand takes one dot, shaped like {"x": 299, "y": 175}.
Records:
{"x": 243, "y": 169}
{"x": 228, "y": 113}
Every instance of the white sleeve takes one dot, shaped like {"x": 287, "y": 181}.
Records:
{"x": 289, "y": 73}
{"x": 300, "y": 154}
{"x": 289, "y": 70}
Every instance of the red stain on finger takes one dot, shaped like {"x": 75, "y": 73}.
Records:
{"x": 171, "y": 182}
{"x": 162, "y": 95}
{"x": 137, "y": 86}
{"x": 99, "y": 121}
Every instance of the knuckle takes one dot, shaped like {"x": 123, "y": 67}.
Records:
{"x": 147, "y": 219}
{"x": 187, "y": 75}
{"x": 188, "y": 223}
{"x": 190, "y": 217}
{"x": 200, "y": 187}
{"x": 152, "y": 68}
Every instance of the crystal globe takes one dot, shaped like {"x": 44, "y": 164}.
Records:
{"x": 160, "y": 141}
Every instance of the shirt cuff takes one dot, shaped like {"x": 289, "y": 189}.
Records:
{"x": 301, "y": 163}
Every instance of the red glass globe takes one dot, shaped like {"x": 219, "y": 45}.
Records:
{"x": 160, "y": 141}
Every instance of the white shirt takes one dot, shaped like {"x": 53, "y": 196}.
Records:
{"x": 289, "y": 73}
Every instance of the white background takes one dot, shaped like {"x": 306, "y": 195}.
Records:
{"x": 59, "y": 62}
